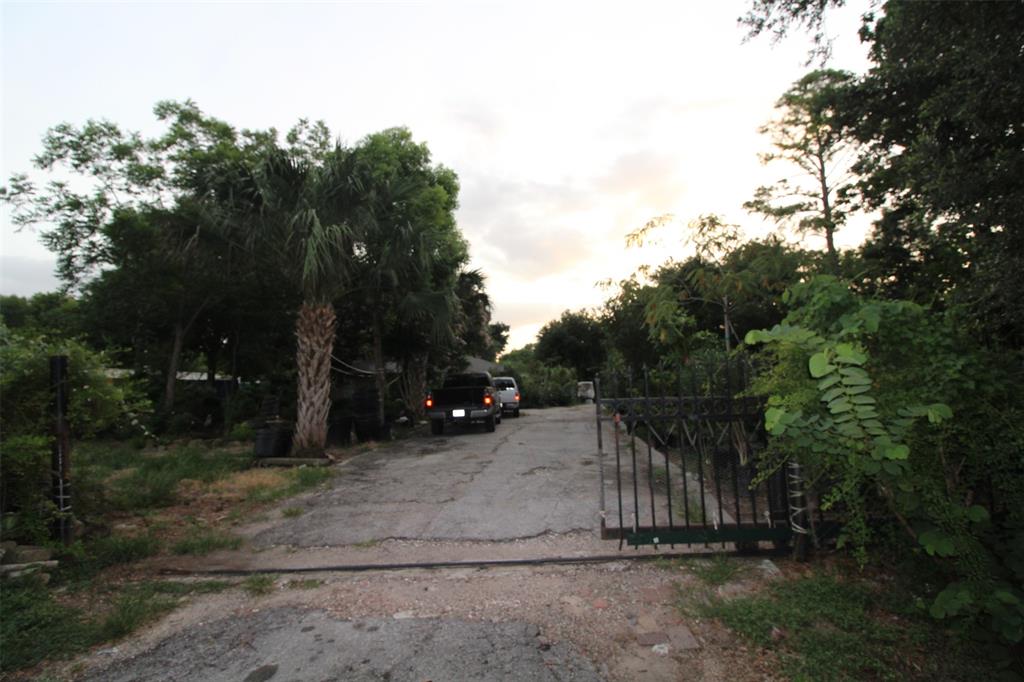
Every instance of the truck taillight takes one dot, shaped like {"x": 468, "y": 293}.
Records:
{"x": 517, "y": 397}
{"x": 429, "y": 402}
{"x": 488, "y": 400}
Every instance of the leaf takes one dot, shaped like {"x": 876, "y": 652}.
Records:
{"x": 847, "y": 354}
{"x": 828, "y": 381}
{"x": 857, "y": 390}
{"x": 840, "y": 406}
{"x": 819, "y": 365}
{"x": 893, "y": 468}
{"x": 871, "y": 467}
{"x": 1006, "y": 597}
{"x": 832, "y": 394}
{"x": 897, "y": 452}
{"x": 939, "y": 412}
{"x": 862, "y": 400}
{"x": 977, "y": 514}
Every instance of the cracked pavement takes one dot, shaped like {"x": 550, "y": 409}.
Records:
{"x": 535, "y": 475}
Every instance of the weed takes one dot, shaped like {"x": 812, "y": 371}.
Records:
{"x": 34, "y": 627}
{"x": 827, "y": 629}
{"x": 136, "y": 607}
{"x": 292, "y": 512}
{"x": 154, "y": 480}
{"x": 206, "y": 541}
{"x": 295, "y": 481}
{"x": 259, "y": 584}
{"x": 718, "y": 570}
{"x": 308, "y": 584}
{"x": 123, "y": 550}
{"x": 367, "y": 544}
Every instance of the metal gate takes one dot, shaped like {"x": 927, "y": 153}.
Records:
{"x": 686, "y": 445}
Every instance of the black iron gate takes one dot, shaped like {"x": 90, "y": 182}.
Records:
{"x": 686, "y": 445}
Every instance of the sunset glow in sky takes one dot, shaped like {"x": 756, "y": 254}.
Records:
{"x": 569, "y": 124}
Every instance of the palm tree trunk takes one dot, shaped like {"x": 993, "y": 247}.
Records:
{"x": 314, "y": 330}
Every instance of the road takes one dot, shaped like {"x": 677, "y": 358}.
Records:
{"x": 529, "y": 490}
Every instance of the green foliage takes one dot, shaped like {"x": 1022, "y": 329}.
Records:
{"x": 115, "y": 549}
{"x": 540, "y": 385}
{"x": 574, "y": 340}
{"x": 890, "y": 408}
{"x": 153, "y": 481}
{"x": 826, "y": 628}
{"x": 97, "y": 404}
{"x": 718, "y": 570}
{"x": 35, "y": 627}
{"x": 259, "y": 584}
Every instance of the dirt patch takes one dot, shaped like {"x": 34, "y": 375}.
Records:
{"x": 623, "y": 616}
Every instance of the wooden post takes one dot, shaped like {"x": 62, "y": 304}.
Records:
{"x": 60, "y": 467}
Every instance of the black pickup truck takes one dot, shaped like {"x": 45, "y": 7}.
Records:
{"x": 464, "y": 399}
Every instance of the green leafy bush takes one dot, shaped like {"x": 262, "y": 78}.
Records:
{"x": 897, "y": 416}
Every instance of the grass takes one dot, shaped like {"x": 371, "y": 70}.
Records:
{"x": 259, "y": 585}
{"x": 137, "y": 480}
{"x": 718, "y": 570}
{"x": 204, "y": 541}
{"x": 292, "y": 512}
{"x": 294, "y": 481}
{"x": 826, "y": 628}
{"x": 307, "y": 584}
{"x": 35, "y": 627}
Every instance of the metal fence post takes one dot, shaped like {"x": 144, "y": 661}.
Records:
{"x": 60, "y": 463}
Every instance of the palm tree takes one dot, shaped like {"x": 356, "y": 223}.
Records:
{"x": 307, "y": 211}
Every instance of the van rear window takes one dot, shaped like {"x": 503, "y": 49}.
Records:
{"x": 503, "y": 383}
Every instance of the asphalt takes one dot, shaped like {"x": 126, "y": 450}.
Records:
{"x": 296, "y": 644}
{"x": 533, "y": 476}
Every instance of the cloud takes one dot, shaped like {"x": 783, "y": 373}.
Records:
{"x": 26, "y": 276}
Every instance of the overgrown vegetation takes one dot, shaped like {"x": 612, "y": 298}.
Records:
{"x": 37, "y": 627}
{"x": 832, "y": 628}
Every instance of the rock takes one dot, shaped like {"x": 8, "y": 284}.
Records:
{"x": 778, "y": 634}
{"x": 262, "y": 674}
{"x": 26, "y": 554}
{"x": 651, "y": 638}
{"x": 660, "y": 649}
{"x": 403, "y": 615}
{"x": 768, "y": 567}
{"x": 600, "y": 603}
{"x": 680, "y": 637}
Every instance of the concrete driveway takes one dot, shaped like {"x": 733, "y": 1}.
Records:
{"x": 534, "y": 475}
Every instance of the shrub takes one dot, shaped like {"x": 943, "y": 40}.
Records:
{"x": 894, "y": 411}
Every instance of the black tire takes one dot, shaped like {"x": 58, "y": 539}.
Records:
{"x": 437, "y": 426}
{"x": 516, "y": 413}
{"x": 498, "y": 417}
{"x": 489, "y": 424}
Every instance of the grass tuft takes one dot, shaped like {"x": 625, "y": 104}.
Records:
{"x": 205, "y": 541}
{"x": 259, "y": 585}
{"x": 718, "y": 570}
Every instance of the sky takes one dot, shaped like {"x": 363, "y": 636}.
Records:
{"x": 569, "y": 124}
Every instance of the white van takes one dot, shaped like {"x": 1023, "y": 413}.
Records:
{"x": 508, "y": 389}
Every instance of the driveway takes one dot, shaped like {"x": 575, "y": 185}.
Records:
{"x": 534, "y": 475}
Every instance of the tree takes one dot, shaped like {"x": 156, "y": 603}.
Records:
{"x": 807, "y": 135}
{"x": 408, "y": 256}
{"x": 136, "y": 205}
{"x": 939, "y": 113}
{"x": 574, "y": 340}
{"x": 307, "y": 212}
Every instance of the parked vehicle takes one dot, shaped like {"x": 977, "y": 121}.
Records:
{"x": 508, "y": 391}
{"x": 464, "y": 399}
